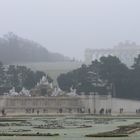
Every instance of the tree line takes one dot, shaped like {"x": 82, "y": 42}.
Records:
{"x": 14, "y": 49}
{"x": 18, "y": 77}
{"x": 107, "y": 75}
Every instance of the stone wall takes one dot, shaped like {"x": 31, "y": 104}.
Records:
{"x": 92, "y": 104}
{"x": 78, "y": 104}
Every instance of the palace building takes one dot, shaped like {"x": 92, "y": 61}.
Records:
{"x": 126, "y": 52}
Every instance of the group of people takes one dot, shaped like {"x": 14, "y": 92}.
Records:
{"x": 137, "y": 111}
{"x": 3, "y": 112}
{"x": 105, "y": 111}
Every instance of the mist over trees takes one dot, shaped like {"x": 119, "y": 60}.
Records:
{"x": 107, "y": 75}
{"x": 14, "y": 49}
{"x": 18, "y": 77}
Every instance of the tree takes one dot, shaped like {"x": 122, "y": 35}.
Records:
{"x": 134, "y": 78}
{"x": 2, "y": 78}
{"x": 115, "y": 72}
{"x": 2, "y": 74}
{"x": 84, "y": 79}
{"x": 13, "y": 76}
{"x": 65, "y": 81}
{"x": 18, "y": 77}
{"x": 97, "y": 77}
{"x": 136, "y": 64}
{"x": 14, "y": 49}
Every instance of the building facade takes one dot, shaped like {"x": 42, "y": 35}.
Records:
{"x": 126, "y": 52}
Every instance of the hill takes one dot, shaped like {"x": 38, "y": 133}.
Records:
{"x": 53, "y": 69}
{"x": 14, "y": 49}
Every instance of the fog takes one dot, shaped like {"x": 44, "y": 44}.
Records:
{"x": 68, "y": 27}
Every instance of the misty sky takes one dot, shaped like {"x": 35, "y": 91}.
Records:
{"x": 70, "y": 26}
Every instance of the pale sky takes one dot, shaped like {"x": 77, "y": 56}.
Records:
{"x": 70, "y": 26}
